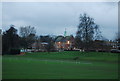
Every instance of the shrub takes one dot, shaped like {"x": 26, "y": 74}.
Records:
{"x": 15, "y": 51}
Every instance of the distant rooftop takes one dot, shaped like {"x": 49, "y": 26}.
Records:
{"x": 63, "y": 39}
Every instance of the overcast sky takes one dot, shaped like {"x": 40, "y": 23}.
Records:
{"x": 53, "y": 17}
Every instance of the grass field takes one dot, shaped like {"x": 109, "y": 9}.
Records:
{"x": 60, "y": 65}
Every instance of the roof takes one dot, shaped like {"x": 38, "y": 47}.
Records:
{"x": 60, "y": 39}
{"x": 63, "y": 39}
{"x": 44, "y": 43}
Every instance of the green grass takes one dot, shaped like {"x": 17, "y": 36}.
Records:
{"x": 60, "y": 65}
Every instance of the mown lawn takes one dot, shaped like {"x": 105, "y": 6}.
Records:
{"x": 60, "y": 65}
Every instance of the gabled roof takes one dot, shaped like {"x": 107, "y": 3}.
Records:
{"x": 60, "y": 39}
{"x": 63, "y": 39}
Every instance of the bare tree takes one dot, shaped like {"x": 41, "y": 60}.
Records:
{"x": 87, "y": 30}
{"x": 26, "y": 31}
{"x": 27, "y": 34}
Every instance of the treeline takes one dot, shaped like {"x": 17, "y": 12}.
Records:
{"x": 12, "y": 42}
{"x": 88, "y": 37}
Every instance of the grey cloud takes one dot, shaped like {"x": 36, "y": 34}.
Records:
{"x": 53, "y": 18}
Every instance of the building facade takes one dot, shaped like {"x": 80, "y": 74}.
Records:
{"x": 64, "y": 43}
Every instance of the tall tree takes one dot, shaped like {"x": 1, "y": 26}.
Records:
{"x": 10, "y": 39}
{"x": 27, "y": 34}
{"x": 87, "y": 30}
